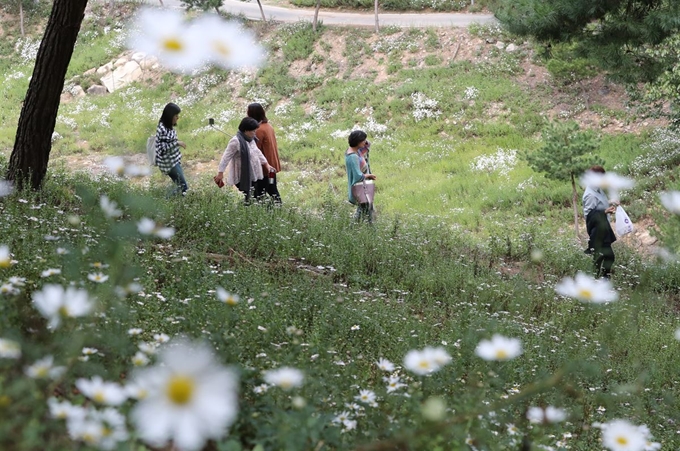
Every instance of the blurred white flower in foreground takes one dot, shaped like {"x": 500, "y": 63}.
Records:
{"x": 63, "y": 410}
{"x": 109, "y": 207}
{"x": 671, "y": 200}
{"x": 5, "y": 257}
{"x": 620, "y": 435}
{"x": 550, "y": 414}
{"x": 164, "y": 34}
{"x": 677, "y": 334}
{"x": 190, "y": 397}
{"x": 427, "y": 361}
{"x": 6, "y": 188}
{"x": 147, "y": 226}
{"x": 45, "y": 369}
{"x": 101, "y": 391}
{"x": 609, "y": 181}
{"x": 50, "y": 272}
{"x": 9, "y": 349}
{"x": 499, "y": 348}
{"x": 284, "y": 377}
{"x": 226, "y": 297}
{"x": 229, "y": 45}
{"x": 55, "y": 303}
{"x": 587, "y": 289}
{"x": 117, "y": 166}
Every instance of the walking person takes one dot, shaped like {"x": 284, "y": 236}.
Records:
{"x": 266, "y": 142}
{"x": 244, "y": 162}
{"x": 358, "y": 170}
{"x": 168, "y": 155}
{"x": 596, "y": 207}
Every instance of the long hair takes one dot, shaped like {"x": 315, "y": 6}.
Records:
{"x": 256, "y": 111}
{"x": 170, "y": 111}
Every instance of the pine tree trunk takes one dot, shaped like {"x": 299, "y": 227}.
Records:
{"x": 574, "y": 203}
{"x": 316, "y": 15}
{"x": 264, "y": 19}
{"x": 31, "y": 152}
{"x": 21, "y": 17}
{"x": 377, "y": 28}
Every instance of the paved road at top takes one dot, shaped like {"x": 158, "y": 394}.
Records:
{"x": 329, "y": 17}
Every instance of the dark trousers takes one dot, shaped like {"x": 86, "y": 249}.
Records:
{"x": 364, "y": 213}
{"x": 601, "y": 236}
{"x": 263, "y": 186}
{"x": 177, "y": 176}
{"x": 603, "y": 258}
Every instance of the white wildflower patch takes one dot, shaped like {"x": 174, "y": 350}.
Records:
{"x": 503, "y": 161}
{"x": 27, "y": 49}
{"x": 424, "y": 107}
{"x": 471, "y": 93}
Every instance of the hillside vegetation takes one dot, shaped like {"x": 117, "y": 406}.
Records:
{"x": 469, "y": 243}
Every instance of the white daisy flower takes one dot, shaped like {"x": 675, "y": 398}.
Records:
{"x": 393, "y": 383}
{"x": 147, "y": 226}
{"x": 102, "y": 429}
{"x": 609, "y": 181}
{"x": 161, "y": 338}
{"x": 17, "y": 281}
{"x": 140, "y": 359}
{"x": 164, "y": 34}
{"x": 366, "y": 396}
{"x": 191, "y": 398}
{"x": 229, "y": 45}
{"x": 89, "y": 351}
{"x": 50, "y": 272}
{"x": 8, "y": 288}
{"x": 355, "y": 327}
{"x": 131, "y": 288}
{"x": 6, "y": 188}
{"x": 97, "y": 277}
{"x": 499, "y": 348}
{"x": 226, "y": 297}
{"x": 148, "y": 348}
{"x": 55, "y": 303}
{"x": 587, "y": 289}
{"x": 284, "y": 377}
{"x": 62, "y": 251}
{"x": 63, "y": 410}
{"x": 385, "y": 365}
{"x": 109, "y": 207}
{"x": 427, "y": 361}
{"x": 620, "y": 435}
{"x": 671, "y": 200}
{"x": 9, "y": 349}
{"x": 5, "y": 257}
{"x": 115, "y": 165}
{"x": 550, "y": 414}
{"x": 134, "y": 331}
{"x": 101, "y": 391}
{"x": 45, "y": 369}
{"x": 341, "y": 417}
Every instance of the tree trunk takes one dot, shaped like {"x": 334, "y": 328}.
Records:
{"x": 574, "y": 203}
{"x": 31, "y": 152}
{"x": 377, "y": 28}
{"x": 21, "y": 17}
{"x": 264, "y": 19}
{"x": 316, "y": 15}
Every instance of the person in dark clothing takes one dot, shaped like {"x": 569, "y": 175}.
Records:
{"x": 596, "y": 207}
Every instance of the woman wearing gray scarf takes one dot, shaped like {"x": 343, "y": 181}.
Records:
{"x": 244, "y": 162}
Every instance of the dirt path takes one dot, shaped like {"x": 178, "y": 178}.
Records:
{"x": 333, "y": 17}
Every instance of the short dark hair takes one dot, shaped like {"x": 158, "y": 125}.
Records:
{"x": 248, "y": 124}
{"x": 597, "y": 168}
{"x": 256, "y": 111}
{"x": 356, "y": 137}
{"x": 170, "y": 111}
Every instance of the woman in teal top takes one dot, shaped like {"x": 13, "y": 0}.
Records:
{"x": 356, "y": 162}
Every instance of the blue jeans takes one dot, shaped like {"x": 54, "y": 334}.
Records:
{"x": 177, "y": 176}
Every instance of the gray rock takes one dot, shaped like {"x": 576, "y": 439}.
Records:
{"x": 96, "y": 90}
{"x": 500, "y": 45}
{"x": 511, "y": 48}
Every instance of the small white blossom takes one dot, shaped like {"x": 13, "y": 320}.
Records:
{"x": 45, "y": 369}
{"x": 9, "y": 349}
{"x": 284, "y": 377}
{"x": 103, "y": 392}
{"x": 109, "y": 207}
{"x": 54, "y": 303}
{"x": 499, "y": 348}
{"x": 587, "y": 289}
{"x": 385, "y": 365}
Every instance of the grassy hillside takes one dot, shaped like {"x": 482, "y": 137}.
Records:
{"x": 469, "y": 243}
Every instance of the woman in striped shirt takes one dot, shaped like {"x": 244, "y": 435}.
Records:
{"x": 168, "y": 155}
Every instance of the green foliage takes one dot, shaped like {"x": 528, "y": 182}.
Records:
{"x": 202, "y": 4}
{"x": 566, "y": 151}
{"x": 297, "y": 41}
{"x": 566, "y": 66}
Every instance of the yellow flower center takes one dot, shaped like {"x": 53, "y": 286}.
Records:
{"x": 106, "y": 431}
{"x": 424, "y": 364}
{"x": 5, "y": 263}
{"x": 99, "y": 397}
{"x": 501, "y": 354}
{"x": 180, "y": 389}
{"x": 585, "y": 293}
{"x": 173, "y": 45}
{"x": 221, "y": 48}
{"x": 231, "y": 300}
{"x": 621, "y": 440}
{"x": 63, "y": 311}
{"x": 42, "y": 372}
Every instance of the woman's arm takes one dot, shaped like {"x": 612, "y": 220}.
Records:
{"x": 228, "y": 155}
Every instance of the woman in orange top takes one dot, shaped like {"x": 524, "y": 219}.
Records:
{"x": 266, "y": 142}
